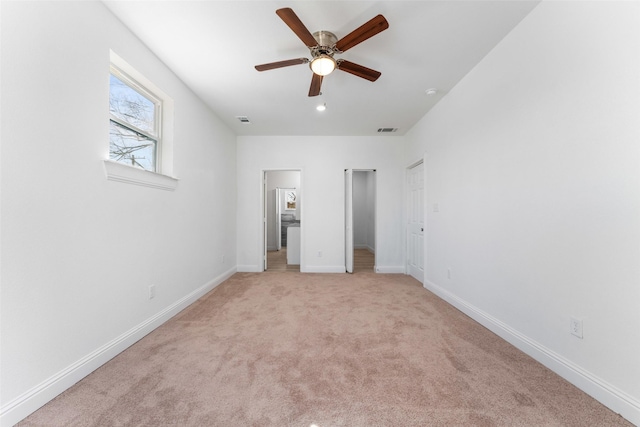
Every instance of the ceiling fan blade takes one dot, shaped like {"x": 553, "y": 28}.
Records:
{"x": 358, "y": 70}
{"x": 280, "y": 64}
{"x": 291, "y": 19}
{"x": 362, "y": 33}
{"x": 316, "y": 83}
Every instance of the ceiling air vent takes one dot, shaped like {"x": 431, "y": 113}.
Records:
{"x": 244, "y": 120}
{"x": 385, "y": 130}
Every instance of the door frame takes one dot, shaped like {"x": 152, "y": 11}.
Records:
{"x": 422, "y": 161}
{"x": 349, "y": 221}
{"x": 262, "y": 267}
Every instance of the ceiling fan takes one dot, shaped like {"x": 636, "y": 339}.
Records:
{"x": 323, "y": 45}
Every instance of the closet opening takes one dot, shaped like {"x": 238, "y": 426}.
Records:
{"x": 360, "y": 220}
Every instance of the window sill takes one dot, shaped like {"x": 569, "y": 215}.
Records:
{"x": 130, "y": 175}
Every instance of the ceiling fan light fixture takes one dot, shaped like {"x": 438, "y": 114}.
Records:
{"x": 323, "y": 65}
{"x": 323, "y": 45}
{"x": 322, "y": 107}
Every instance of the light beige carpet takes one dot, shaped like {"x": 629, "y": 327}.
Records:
{"x": 292, "y": 349}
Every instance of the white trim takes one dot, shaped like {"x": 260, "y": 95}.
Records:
{"x": 249, "y": 269}
{"x": 131, "y": 175}
{"x": 31, "y": 400}
{"x": 324, "y": 269}
{"x": 390, "y": 269}
{"x": 607, "y": 394}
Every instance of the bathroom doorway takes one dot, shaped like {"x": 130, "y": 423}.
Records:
{"x": 282, "y": 220}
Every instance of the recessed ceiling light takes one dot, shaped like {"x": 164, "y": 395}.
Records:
{"x": 322, "y": 107}
{"x": 432, "y": 91}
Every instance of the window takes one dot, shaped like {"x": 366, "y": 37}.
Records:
{"x": 140, "y": 129}
{"x": 134, "y": 123}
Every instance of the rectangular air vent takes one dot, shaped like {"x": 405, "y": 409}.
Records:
{"x": 243, "y": 119}
{"x": 382, "y": 130}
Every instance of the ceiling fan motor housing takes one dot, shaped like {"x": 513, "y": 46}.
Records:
{"x": 326, "y": 43}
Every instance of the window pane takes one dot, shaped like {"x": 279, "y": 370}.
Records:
{"x": 129, "y": 105}
{"x": 131, "y": 148}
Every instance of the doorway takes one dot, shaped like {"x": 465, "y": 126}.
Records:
{"x": 360, "y": 220}
{"x": 282, "y": 220}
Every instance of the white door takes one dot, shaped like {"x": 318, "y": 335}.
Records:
{"x": 348, "y": 219}
{"x": 415, "y": 222}
{"x": 264, "y": 220}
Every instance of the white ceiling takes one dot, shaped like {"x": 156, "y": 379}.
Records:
{"x": 213, "y": 46}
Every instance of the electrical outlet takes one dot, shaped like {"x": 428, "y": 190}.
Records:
{"x": 319, "y": 254}
{"x": 223, "y": 259}
{"x": 448, "y": 273}
{"x": 575, "y": 327}
{"x": 152, "y": 291}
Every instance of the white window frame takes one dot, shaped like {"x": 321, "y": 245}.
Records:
{"x": 156, "y": 134}
{"x": 163, "y": 177}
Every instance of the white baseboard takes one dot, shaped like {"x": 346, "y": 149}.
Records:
{"x": 607, "y": 394}
{"x": 390, "y": 269}
{"x": 385, "y": 269}
{"x": 367, "y": 247}
{"x": 323, "y": 269}
{"x": 30, "y": 401}
{"x": 249, "y": 269}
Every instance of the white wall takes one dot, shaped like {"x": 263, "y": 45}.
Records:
{"x": 359, "y": 209}
{"x": 533, "y": 160}
{"x": 322, "y": 161}
{"x": 78, "y": 251}
{"x": 364, "y": 210}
